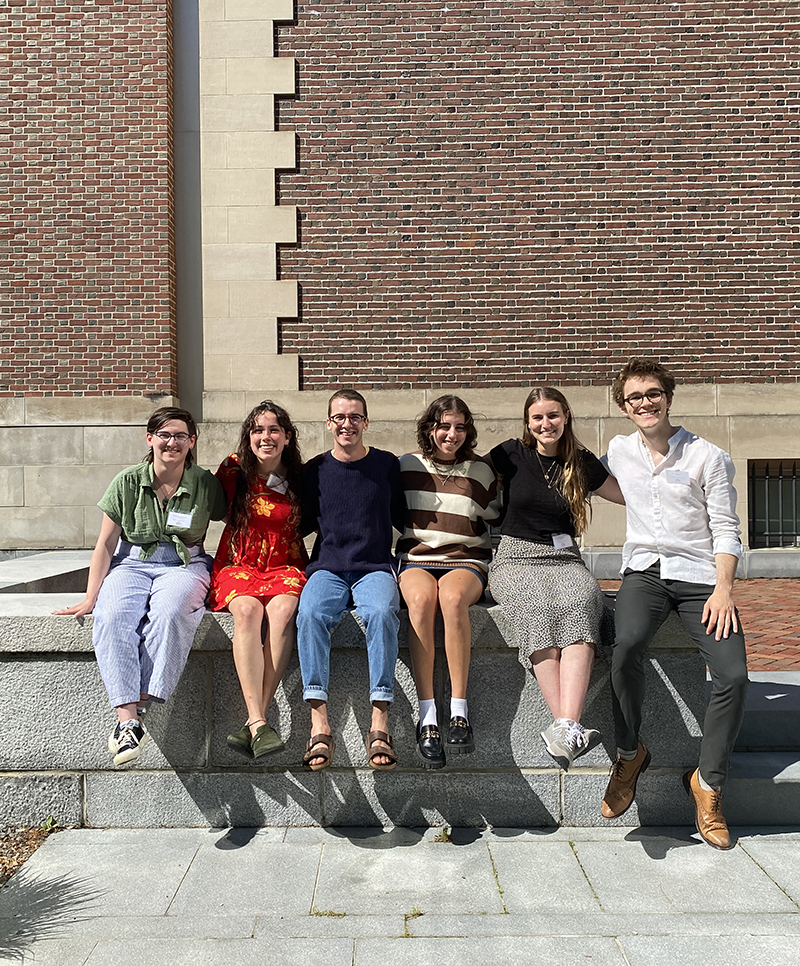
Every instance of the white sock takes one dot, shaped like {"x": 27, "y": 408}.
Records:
{"x": 704, "y": 784}
{"x": 626, "y": 755}
{"x": 458, "y": 708}
{"x": 427, "y": 713}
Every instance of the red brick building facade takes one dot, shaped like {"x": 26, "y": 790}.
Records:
{"x": 496, "y": 193}
{"x": 87, "y": 145}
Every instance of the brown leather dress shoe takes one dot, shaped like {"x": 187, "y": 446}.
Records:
{"x": 622, "y": 784}
{"x": 708, "y": 818}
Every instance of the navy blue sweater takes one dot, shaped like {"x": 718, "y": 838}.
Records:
{"x": 353, "y": 507}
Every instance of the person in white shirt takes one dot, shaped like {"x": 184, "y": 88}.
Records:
{"x": 681, "y": 552}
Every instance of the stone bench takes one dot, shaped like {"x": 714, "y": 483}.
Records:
{"x": 55, "y": 718}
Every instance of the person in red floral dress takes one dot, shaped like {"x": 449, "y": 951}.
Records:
{"x": 259, "y": 568}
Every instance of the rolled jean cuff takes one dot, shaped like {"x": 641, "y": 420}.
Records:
{"x": 119, "y": 700}
{"x": 314, "y": 694}
{"x": 382, "y": 694}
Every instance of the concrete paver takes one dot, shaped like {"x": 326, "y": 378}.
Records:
{"x": 564, "y": 951}
{"x": 534, "y": 877}
{"x": 690, "y": 878}
{"x": 260, "y": 878}
{"x": 611, "y": 896}
{"x": 431, "y": 877}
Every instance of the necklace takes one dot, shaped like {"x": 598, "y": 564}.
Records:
{"x": 444, "y": 477}
{"x": 550, "y": 476}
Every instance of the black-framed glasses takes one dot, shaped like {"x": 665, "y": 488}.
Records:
{"x": 652, "y": 395}
{"x": 165, "y": 437}
{"x": 355, "y": 418}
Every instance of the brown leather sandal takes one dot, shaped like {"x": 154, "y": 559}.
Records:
{"x": 319, "y": 746}
{"x": 373, "y": 752}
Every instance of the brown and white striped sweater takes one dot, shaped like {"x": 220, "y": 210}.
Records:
{"x": 448, "y": 508}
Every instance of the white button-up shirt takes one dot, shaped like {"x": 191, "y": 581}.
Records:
{"x": 680, "y": 512}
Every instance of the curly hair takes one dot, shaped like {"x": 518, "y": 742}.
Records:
{"x": 161, "y": 417}
{"x": 637, "y": 368}
{"x": 291, "y": 459}
{"x": 572, "y": 482}
{"x": 430, "y": 419}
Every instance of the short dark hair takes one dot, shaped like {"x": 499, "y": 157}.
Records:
{"x": 429, "y": 420}
{"x": 637, "y": 368}
{"x": 353, "y": 395}
{"x": 161, "y": 417}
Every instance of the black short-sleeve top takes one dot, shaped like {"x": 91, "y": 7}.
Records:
{"x": 533, "y": 510}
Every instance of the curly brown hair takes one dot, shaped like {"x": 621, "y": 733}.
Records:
{"x": 637, "y": 368}
{"x": 291, "y": 459}
{"x": 430, "y": 419}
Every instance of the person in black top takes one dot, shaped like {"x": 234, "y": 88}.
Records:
{"x": 553, "y": 603}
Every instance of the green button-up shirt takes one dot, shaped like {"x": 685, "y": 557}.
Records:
{"x": 131, "y": 502}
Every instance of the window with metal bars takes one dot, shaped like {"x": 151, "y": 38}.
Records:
{"x": 774, "y": 503}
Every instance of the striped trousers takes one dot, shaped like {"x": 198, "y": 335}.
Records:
{"x": 145, "y": 619}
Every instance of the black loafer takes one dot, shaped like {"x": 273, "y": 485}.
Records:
{"x": 459, "y": 737}
{"x": 429, "y": 747}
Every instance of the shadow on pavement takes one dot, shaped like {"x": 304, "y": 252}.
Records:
{"x": 34, "y": 907}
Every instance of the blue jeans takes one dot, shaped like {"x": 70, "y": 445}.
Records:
{"x": 323, "y": 602}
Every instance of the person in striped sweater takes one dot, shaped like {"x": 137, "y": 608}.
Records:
{"x": 444, "y": 554}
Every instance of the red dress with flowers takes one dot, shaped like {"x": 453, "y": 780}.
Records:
{"x": 266, "y": 559}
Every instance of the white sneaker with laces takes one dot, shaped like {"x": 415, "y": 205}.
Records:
{"x": 566, "y": 740}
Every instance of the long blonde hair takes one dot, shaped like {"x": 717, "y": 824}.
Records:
{"x": 572, "y": 482}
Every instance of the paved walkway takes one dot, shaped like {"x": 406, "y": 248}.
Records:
{"x": 769, "y": 610}
{"x": 355, "y": 897}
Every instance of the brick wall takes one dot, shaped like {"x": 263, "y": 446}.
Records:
{"x": 494, "y": 193}
{"x": 87, "y": 145}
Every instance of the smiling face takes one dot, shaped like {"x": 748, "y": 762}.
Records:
{"x": 448, "y": 435}
{"x": 547, "y": 421}
{"x": 171, "y": 451}
{"x": 347, "y": 423}
{"x": 267, "y": 441}
{"x": 646, "y": 414}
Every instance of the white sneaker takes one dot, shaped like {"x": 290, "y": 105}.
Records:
{"x": 554, "y": 740}
{"x": 566, "y": 740}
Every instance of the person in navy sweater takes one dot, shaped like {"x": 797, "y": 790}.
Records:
{"x": 353, "y": 497}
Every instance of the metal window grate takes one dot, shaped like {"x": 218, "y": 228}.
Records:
{"x": 774, "y": 501}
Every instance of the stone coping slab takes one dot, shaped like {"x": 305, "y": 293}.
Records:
{"x": 28, "y": 625}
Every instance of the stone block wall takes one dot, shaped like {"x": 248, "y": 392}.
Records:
{"x": 187, "y": 776}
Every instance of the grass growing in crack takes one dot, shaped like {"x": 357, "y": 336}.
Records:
{"x": 443, "y": 835}
{"x": 415, "y": 913}
{"x": 328, "y": 912}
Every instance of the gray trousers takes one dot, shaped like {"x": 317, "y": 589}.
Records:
{"x": 644, "y": 602}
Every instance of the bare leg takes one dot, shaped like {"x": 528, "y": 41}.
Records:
{"x": 128, "y": 712}
{"x": 421, "y": 594}
{"x": 458, "y": 589}
{"x": 248, "y": 655}
{"x": 576, "y": 669}
{"x": 279, "y": 644}
{"x": 563, "y": 677}
{"x": 319, "y": 724}
{"x": 380, "y": 722}
{"x": 547, "y": 668}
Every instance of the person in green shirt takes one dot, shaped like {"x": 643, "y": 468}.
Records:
{"x": 149, "y": 575}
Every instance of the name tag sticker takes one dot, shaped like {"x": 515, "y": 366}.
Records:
{"x": 180, "y": 520}
{"x": 562, "y": 540}
{"x": 678, "y": 476}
